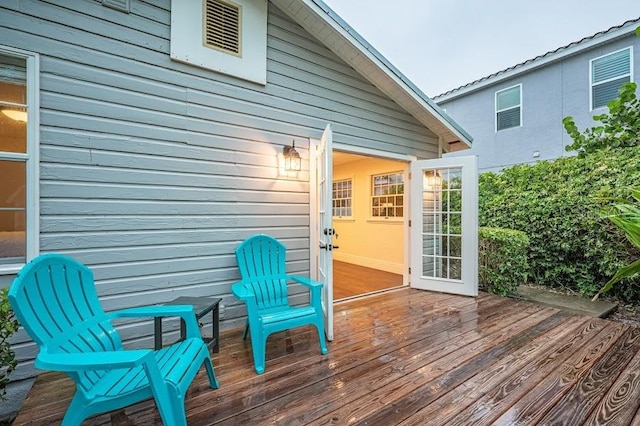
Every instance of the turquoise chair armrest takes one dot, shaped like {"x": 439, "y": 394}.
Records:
{"x": 307, "y": 282}
{"x": 242, "y": 292}
{"x": 315, "y": 287}
{"x": 245, "y": 294}
{"x": 186, "y": 312}
{"x": 93, "y": 360}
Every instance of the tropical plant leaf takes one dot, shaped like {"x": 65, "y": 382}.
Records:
{"x": 624, "y": 272}
{"x": 626, "y": 216}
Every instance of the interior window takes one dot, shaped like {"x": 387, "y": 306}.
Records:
{"x": 387, "y": 198}
{"x": 342, "y": 198}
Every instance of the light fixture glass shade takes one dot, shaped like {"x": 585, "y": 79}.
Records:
{"x": 432, "y": 180}
{"x": 292, "y": 162}
{"x": 16, "y": 114}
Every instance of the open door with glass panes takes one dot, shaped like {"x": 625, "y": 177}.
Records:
{"x": 444, "y": 225}
{"x": 325, "y": 231}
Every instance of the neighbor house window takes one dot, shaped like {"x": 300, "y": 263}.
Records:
{"x": 608, "y": 73}
{"x": 342, "y": 198}
{"x": 387, "y": 196}
{"x": 18, "y": 158}
{"x": 509, "y": 108}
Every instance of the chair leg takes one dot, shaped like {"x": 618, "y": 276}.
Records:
{"x": 213, "y": 381}
{"x": 246, "y": 330}
{"x": 75, "y": 413}
{"x": 171, "y": 407}
{"x": 258, "y": 348}
{"x": 321, "y": 337}
{"x": 179, "y": 412}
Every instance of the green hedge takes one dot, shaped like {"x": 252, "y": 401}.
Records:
{"x": 557, "y": 204}
{"x": 8, "y": 326}
{"x": 502, "y": 260}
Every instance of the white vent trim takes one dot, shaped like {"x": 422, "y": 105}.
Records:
{"x": 188, "y": 34}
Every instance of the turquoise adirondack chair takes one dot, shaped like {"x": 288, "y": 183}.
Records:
{"x": 261, "y": 259}
{"x": 55, "y": 300}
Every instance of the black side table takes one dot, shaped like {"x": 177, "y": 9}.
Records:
{"x": 202, "y": 306}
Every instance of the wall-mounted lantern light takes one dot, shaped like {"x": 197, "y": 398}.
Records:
{"x": 291, "y": 158}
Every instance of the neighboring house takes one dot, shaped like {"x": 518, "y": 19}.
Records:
{"x": 515, "y": 115}
{"x": 129, "y": 143}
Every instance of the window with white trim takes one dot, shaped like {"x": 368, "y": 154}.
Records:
{"x": 608, "y": 73}
{"x": 343, "y": 198}
{"x": 387, "y": 196}
{"x": 18, "y": 158}
{"x": 509, "y": 108}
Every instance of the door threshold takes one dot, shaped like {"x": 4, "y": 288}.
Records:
{"x": 373, "y": 293}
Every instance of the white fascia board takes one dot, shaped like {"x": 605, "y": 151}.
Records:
{"x": 366, "y": 52}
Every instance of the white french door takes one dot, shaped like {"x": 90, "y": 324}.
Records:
{"x": 324, "y": 177}
{"x": 444, "y": 225}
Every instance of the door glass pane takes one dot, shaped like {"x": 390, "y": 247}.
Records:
{"x": 442, "y": 223}
{"x": 454, "y": 201}
{"x": 455, "y": 246}
{"x": 455, "y": 269}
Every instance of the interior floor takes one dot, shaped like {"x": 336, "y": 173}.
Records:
{"x": 351, "y": 280}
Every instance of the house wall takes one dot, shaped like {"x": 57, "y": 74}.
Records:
{"x": 363, "y": 241}
{"x": 549, "y": 94}
{"x": 153, "y": 171}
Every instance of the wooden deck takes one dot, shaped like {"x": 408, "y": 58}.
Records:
{"x": 410, "y": 357}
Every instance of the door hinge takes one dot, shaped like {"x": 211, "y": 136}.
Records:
{"x": 409, "y": 223}
{"x": 409, "y": 270}
{"x": 410, "y": 175}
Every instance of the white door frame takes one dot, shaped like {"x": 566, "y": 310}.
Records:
{"x": 313, "y": 207}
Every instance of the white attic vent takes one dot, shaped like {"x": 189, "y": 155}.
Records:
{"x": 121, "y": 5}
{"x": 222, "y": 24}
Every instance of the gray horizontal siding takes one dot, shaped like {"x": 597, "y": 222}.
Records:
{"x": 152, "y": 171}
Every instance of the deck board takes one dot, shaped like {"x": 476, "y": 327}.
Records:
{"x": 413, "y": 358}
{"x": 494, "y": 387}
{"x": 623, "y": 399}
{"x": 551, "y": 391}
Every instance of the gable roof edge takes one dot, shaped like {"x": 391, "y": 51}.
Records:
{"x": 370, "y": 63}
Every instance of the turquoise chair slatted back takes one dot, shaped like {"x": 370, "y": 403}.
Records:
{"x": 263, "y": 289}
{"x": 59, "y": 308}
{"x": 261, "y": 260}
{"x": 55, "y": 300}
